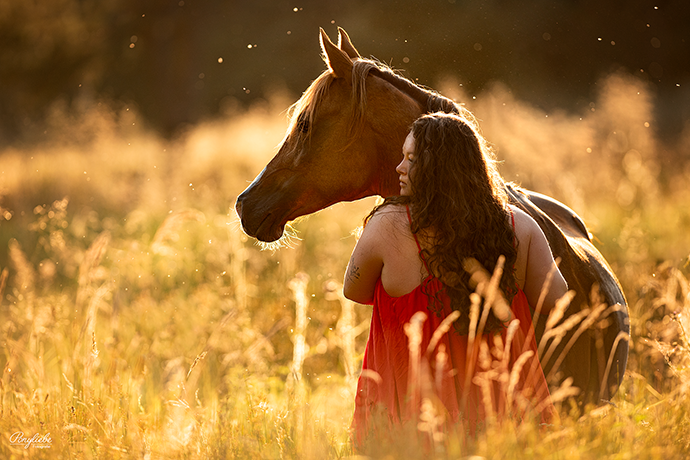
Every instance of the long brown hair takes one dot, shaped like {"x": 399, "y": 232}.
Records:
{"x": 458, "y": 195}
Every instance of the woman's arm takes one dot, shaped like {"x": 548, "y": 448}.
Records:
{"x": 366, "y": 263}
{"x": 539, "y": 263}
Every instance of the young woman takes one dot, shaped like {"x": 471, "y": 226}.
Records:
{"x": 415, "y": 255}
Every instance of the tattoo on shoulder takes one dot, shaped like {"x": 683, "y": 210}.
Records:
{"x": 353, "y": 274}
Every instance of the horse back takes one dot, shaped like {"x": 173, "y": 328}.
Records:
{"x": 565, "y": 218}
{"x": 585, "y": 271}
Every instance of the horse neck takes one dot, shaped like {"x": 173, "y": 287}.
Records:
{"x": 426, "y": 102}
{"x": 405, "y": 86}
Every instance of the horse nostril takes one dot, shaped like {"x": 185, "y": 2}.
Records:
{"x": 238, "y": 208}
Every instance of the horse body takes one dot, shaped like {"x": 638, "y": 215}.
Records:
{"x": 343, "y": 144}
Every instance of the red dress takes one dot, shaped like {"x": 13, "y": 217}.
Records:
{"x": 463, "y": 389}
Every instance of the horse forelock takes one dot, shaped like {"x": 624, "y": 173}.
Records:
{"x": 361, "y": 69}
{"x": 304, "y": 110}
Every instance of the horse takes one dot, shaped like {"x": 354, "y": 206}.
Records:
{"x": 344, "y": 139}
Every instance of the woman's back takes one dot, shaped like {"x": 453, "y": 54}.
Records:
{"x": 389, "y": 237}
{"x": 403, "y": 269}
{"x": 399, "y": 370}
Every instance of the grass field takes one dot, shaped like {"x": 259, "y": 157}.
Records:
{"x": 139, "y": 322}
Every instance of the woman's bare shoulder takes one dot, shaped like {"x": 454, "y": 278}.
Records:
{"x": 388, "y": 224}
{"x": 391, "y": 214}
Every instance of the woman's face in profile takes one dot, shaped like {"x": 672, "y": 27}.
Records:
{"x": 403, "y": 169}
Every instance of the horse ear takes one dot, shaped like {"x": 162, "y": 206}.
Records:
{"x": 338, "y": 61}
{"x": 345, "y": 44}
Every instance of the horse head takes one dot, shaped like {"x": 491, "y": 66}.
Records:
{"x": 337, "y": 147}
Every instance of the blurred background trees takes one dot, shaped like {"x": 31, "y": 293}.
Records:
{"x": 178, "y": 62}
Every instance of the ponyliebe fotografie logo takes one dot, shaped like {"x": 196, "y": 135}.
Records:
{"x": 40, "y": 441}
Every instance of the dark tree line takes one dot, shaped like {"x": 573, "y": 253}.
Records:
{"x": 164, "y": 56}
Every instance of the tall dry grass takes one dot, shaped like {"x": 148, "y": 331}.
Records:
{"x": 139, "y": 322}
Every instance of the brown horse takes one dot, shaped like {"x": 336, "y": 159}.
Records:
{"x": 343, "y": 143}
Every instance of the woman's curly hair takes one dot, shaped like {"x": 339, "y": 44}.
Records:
{"x": 458, "y": 194}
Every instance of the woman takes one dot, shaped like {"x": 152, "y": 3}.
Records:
{"x": 414, "y": 256}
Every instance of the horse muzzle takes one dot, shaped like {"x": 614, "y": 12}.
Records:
{"x": 259, "y": 219}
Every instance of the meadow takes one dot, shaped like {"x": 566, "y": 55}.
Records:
{"x": 138, "y": 321}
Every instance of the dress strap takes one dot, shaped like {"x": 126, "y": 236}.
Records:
{"x": 512, "y": 218}
{"x": 419, "y": 247}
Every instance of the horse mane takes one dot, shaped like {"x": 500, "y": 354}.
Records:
{"x": 304, "y": 110}
{"x": 427, "y": 98}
